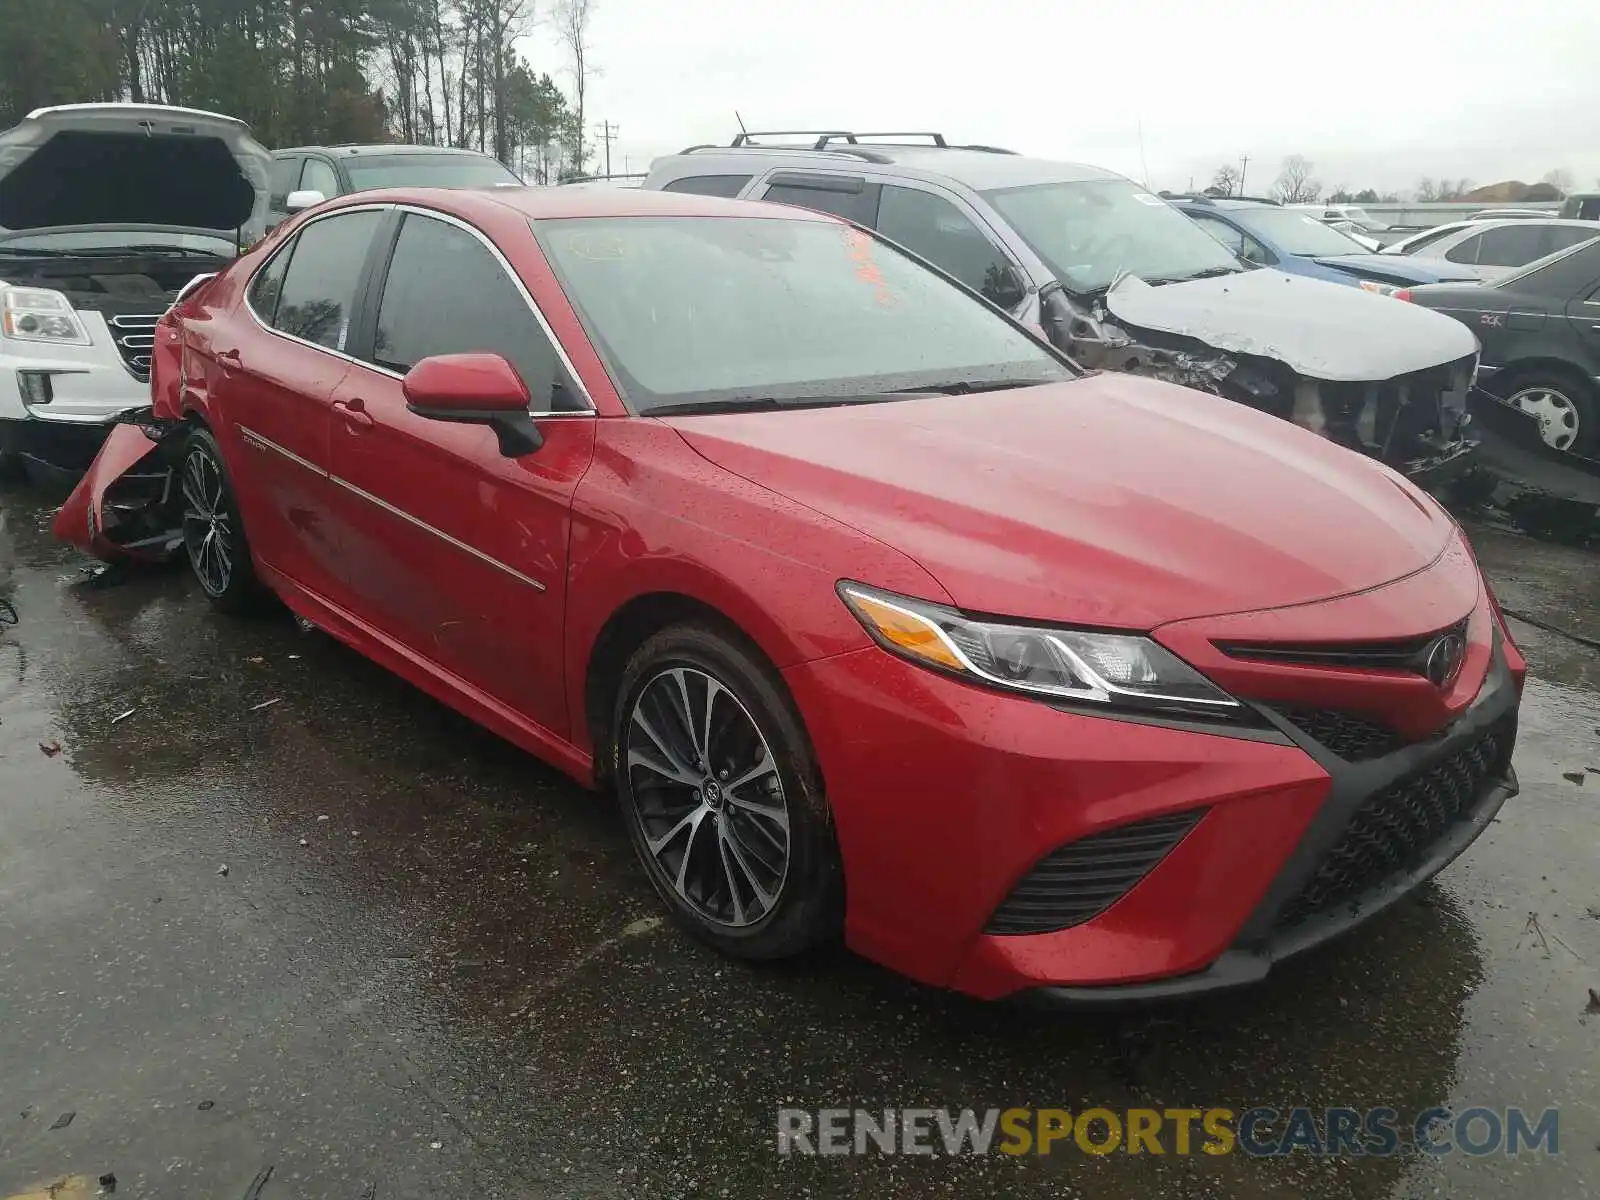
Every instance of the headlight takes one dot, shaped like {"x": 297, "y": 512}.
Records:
{"x": 1382, "y": 289}
{"x": 1116, "y": 670}
{"x": 37, "y": 315}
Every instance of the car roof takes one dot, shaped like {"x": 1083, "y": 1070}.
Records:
{"x": 558, "y": 203}
{"x": 352, "y": 150}
{"x": 979, "y": 169}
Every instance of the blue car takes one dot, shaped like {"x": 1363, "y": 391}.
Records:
{"x": 1270, "y": 235}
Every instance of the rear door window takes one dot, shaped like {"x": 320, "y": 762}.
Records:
{"x": 1228, "y": 235}
{"x": 708, "y": 185}
{"x": 847, "y": 196}
{"x": 319, "y": 288}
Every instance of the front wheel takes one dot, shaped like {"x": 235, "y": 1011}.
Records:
{"x": 722, "y": 797}
{"x": 213, "y": 534}
{"x": 1567, "y": 410}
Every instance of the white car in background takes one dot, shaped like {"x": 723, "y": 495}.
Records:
{"x": 1496, "y": 248}
{"x": 106, "y": 212}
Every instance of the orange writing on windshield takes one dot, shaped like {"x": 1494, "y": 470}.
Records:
{"x": 859, "y": 246}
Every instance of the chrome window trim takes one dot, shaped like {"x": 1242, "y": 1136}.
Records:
{"x": 448, "y": 219}
{"x": 266, "y": 443}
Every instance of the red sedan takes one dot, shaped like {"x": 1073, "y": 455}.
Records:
{"x": 875, "y": 613}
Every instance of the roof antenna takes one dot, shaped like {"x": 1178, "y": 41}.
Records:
{"x": 740, "y": 119}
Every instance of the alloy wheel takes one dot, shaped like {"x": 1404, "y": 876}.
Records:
{"x": 709, "y": 796}
{"x": 207, "y": 525}
{"x": 1557, "y": 414}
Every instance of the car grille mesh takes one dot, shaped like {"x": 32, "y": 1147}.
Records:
{"x": 1394, "y": 829}
{"x": 135, "y": 336}
{"x": 1082, "y": 879}
{"x": 1352, "y": 737}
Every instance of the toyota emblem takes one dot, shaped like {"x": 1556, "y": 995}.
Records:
{"x": 1445, "y": 656}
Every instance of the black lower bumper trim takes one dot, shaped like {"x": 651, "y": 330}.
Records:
{"x": 54, "y": 450}
{"x": 1265, "y": 940}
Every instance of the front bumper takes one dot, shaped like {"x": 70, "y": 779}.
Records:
{"x": 946, "y": 797}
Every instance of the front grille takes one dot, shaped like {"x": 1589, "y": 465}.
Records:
{"x": 1395, "y": 829}
{"x": 1353, "y": 738}
{"x": 1401, "y": 654}
{"x": 135, "y": 337}
{"x": 1082, "y": 879}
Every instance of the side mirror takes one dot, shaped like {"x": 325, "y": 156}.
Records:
{"x": 1004, "y": 287}
{"x": 475, "y": 389}
{"x": 299, "y": 201}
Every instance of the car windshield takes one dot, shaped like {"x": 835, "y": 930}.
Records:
{"x": 724, "y": 311}
{"x": 116, "y": 241}
{"x": 370, "y": 171}
{"x": 1090, "y": 233}
{"x": 1295, "y": 233}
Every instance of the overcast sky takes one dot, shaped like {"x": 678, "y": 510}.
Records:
{"x": 1375, "y": 92}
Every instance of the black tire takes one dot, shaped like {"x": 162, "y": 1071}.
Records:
{"x": 213, "y": 534}
{"x": 807, "y": 907}
{"x": 1576, "y": 394}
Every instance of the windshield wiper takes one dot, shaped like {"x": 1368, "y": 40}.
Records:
{"x": 966, "y": 387}
{"x": 22, "y": 252}
{"x": 684, "y": 408}
{"x": 1208, "y": 273}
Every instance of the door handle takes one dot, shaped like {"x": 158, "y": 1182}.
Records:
{"x": 229, "y": 360}
{"x": 354, "y": 412}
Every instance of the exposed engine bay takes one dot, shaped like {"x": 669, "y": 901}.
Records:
{"x": 1416, "y": 421}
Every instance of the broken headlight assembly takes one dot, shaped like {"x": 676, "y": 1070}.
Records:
{"x": 40, "y": 315}
{"x": 1087, "y": 668}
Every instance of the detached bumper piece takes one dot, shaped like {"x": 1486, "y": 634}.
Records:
{"x": 1082, "y": 879}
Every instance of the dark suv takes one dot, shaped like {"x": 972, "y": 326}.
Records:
{"x": 311, "y": 174}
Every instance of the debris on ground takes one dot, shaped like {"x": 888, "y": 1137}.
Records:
{"x": 1592, "y": 912}
{"x": 207, "y": 1105}
{"x": 1573, "y": 777}
{"x": 63, "y": 1120}
{"x": 253, "y": 1192}
{"x": 323, "y": 817}
{"x": 223, "y": 869}
{"x": 267, "y": 703}
{"x": 108, "y": 1183}
{"x": 256, "y": 658}
{"x": 50, "y": 748}
{"x": 120, "y": 717}
{"x": 303, "y": 842}
{"x": 1594, "y": 1001}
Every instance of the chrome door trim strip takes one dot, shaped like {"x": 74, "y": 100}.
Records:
{"x": 250, "y": 435}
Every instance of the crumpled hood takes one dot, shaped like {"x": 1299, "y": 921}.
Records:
{"x": 1113, "y": 500}
{"x": 101, "y": 164}
{"x": 1322, "y": 330}
{"x": 1400, "y": 268}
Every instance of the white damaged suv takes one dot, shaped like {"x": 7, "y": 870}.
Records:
{"x": 106, "y": 211}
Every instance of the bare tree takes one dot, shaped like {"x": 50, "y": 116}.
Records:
{"x": 1427, "y": 191}
{"x": 572, "y": 21}
{"x": 1561, "y": 179}
{"x": 1225, "y": 180}
{"x": 1295, "y": 184}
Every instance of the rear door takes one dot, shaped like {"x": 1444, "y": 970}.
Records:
{"x": 275, "y": 362}
{"x": 451, "y": 548}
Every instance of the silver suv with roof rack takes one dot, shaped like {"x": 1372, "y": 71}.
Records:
{"x": 1120, "y": 279}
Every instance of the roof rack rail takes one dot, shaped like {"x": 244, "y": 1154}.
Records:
{"x": 986, "y": 149}
{"x": 825, "y": 137}
{"x": 1208, "y": 198}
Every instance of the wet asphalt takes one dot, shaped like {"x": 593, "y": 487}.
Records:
{"x": 430, "y": 967}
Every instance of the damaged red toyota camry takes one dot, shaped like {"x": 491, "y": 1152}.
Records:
{"x": 876, "y": 614}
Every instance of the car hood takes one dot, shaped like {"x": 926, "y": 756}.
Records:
{"x": 1113, "y": 500}
{"x": 1322, "y": 330}
{"x": 89, "y": 164}
{"x": 1399, "y": 269}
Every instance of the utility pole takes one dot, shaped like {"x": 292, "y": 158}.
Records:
{"x": 1244, "y": 163}
{"x": 608, "y": 133}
